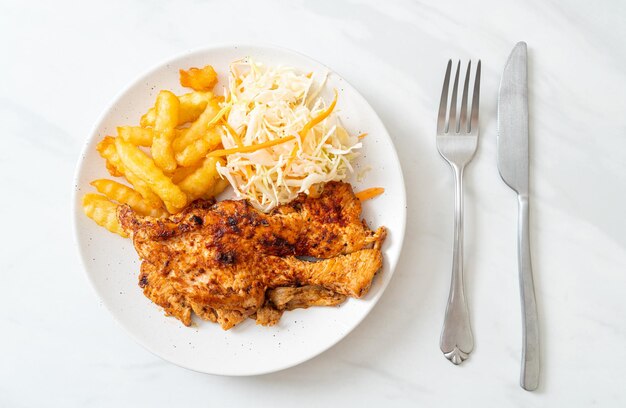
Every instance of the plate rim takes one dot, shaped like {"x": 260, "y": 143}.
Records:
{"x": 115, "y": 101}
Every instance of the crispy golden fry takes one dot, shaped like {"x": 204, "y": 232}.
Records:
{"x": 104, "y": 145}
{"x": 198, "y": 128}
{"x": 145, "y": 168}
{"x": 191, "y": 107}
{"x": 167, "y": 106}
{"x": 196, "y": 184}
{"x": 219, "y": 186}
{"x": 136, "y": 135}
{"x": 180, "y": 173}
{"x": 112, "y": 169}
{"x": 199, "y": 148}
{"x": 106, "y": 148}
{"x": 126, "y": 195}
{"x": 108, "y": 151}
{"x": 103, "y": 212}
{"x": 203, "y": 79}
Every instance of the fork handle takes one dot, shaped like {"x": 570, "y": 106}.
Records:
{"x": 529, "y": 378}
{"x": 457, "y": 340}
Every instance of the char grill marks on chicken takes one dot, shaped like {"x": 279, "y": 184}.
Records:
{"x": 219, "y": 259}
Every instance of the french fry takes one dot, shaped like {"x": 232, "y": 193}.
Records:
{"x": 103, "y": 212}
{"x": 113, "y": 171}
{"x": 145, "y": 168}
{"x": 199, "y": 79}
{"x": 167, "y": 106}
{"x": 180, "y": 173}
{"x": 191, "y": 107}
{"x": 219, "y": 186}
{"x": 198, "y": 128}
{"x": 178, "y": 132}
{"x": 136, "y": 135}
{"x": 125, "y": 195}
{"x": 108, "y": 151}
{"x": 196, "y": 184}
{"x": 106, "y": 148}
{"x": 198, "y": 149}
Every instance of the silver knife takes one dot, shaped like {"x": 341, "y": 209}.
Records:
{"x": 513, "y": 167}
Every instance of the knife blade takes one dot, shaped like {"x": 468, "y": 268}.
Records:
{"x": 514, "y": 170}
{"x": 513, "y": 121}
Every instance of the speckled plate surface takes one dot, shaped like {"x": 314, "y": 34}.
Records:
{"x": 112, "y": 265}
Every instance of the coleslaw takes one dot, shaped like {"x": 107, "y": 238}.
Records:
{"x": 282, "y": 137}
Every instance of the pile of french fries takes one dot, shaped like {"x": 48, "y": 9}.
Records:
{"x": 165, "y": 159}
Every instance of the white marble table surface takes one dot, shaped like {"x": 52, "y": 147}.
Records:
{"x": 63, "y": 62}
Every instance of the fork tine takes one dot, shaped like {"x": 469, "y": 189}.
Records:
{"x": 452, "y": 122}
{"x": 464, "y": 128}
{"x": 443, "y": 104}
{"x": 475, "y": 101}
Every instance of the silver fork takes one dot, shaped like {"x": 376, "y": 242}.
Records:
{"x": 457, "y": 140}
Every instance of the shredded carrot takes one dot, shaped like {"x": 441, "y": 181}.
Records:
{"x": 292, "y": 156}
{"x": 369, "y": 193}
{"x": 251, "y": 148}
{"x": 310, "y": 125}
{"x": 237, "y": 138}
{"x": 362, "y": 136}
{"x": 234, "y": 134}
{"x": 219, "y": 115}
{"x": 243, "y": 132}
{"x": 323, "y": 115}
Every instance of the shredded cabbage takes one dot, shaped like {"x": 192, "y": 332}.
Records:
{"x": 268, "y": 103}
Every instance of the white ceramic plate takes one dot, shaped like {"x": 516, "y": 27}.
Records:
{"x": 112, "y": 264}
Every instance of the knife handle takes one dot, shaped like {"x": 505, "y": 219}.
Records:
{"x": 529, "y": 379}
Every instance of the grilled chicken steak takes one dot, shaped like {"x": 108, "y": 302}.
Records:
{"x": 227, "y": 261}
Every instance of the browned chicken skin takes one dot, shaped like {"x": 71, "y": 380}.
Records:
{"x": 219, "y": 260}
